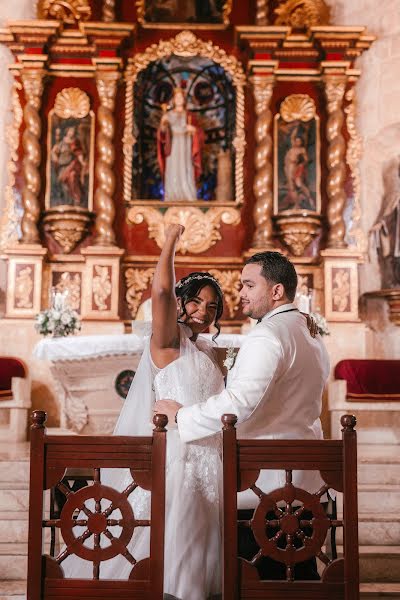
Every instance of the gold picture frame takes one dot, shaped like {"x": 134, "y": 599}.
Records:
{"x": 71, "y": 126}
{"x": 297, "y": 169}
{"x": 185, "y": 44}
{"x": 202, "y": 219}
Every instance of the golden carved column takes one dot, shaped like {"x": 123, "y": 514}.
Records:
{"x": 356, "y": 237}
{"x": 340, "y": 261}
{"x": 32, "y": 81}
{"x": 261, "y": 12}
{"x": 106, "y": 81}
{"x": 108, "y": 11}
{"x": 262, "y": 187}
{"x": 334, "y": 88}
{"x": 101, "y": 275}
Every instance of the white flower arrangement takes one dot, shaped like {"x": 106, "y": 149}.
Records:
{"x": 59, "y": 320}
{"x": 321, "y": 322}
{"x": 230, "y": 358}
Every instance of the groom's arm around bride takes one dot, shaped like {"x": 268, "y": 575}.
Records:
{"x": 275, "y": 386}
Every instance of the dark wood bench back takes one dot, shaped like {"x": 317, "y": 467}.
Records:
{"x": 51, "y": 456}
{"x": 337, "y": 462}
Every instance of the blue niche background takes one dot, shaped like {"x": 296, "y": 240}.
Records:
{"x": 210, "y": 95}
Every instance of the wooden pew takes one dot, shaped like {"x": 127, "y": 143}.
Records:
{"x": 51, "y": 455}
{"x": 337, "y": 462}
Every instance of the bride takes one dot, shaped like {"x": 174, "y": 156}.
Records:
{"x": 176, "y": 363}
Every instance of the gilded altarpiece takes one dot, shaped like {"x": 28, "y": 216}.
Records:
{"x": 269, "y": 103}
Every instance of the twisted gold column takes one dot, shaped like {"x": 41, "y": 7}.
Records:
{"x": 334, "y": 89}
{"x": 356, "y": 237}
{"x": 108, "y": 14}
{"x": 261, "y": 12}
{"x": 32, "y": 81}
{"x": 103, "y": 200}
{"x": 262, "y": 187}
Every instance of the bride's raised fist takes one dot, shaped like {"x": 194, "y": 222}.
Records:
{"x": 174, "y": 230}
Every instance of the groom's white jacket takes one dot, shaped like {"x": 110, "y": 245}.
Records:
{"x": 275, "y": 388}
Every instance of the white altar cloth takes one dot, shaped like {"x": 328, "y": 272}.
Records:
{"x": 84, "y": 346}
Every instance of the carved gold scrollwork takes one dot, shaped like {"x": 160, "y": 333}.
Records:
{"x": 297, "y": 107}
{"x": 68, "y": 226}
{"x": 230, "y": 284}
{"x": 9, "y": 218}
{"x": 24, "y": 284}
{"x": 72, "y": 102}
{"x": 302, "y": 14}
{"x": 68, "y": 11}
{"x": 186, "y": 44}
{"x": 101, "y": 287}
{"x": 334, "y": 88}
{"x": 341, "y": 290}
{"x": 72, "y": 284}
{"x": 201, "y": 228}
{"x": 356, "y": 236}
{"x": 298, "y": 231}
{"x": 262, "y": 187}
{"x": 32, "y": 81}
{"x": 104, "y": 205}
{"x": 137, "y": 280}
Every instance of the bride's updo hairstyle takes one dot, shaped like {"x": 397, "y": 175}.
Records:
{"x": 188, "y": 288}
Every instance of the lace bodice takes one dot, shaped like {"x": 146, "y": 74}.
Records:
{"x": 189, "y": 379}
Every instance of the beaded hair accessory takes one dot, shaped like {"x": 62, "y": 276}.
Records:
{"x": 190, "y": 278}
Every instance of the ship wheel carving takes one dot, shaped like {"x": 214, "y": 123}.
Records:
{"x": 97, "y": 505}
{"x": 294, "y": 533}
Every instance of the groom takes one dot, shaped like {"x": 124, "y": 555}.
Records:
{"x": 275, "y": 386}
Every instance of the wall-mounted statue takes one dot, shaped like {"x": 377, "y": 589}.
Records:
{"x": 180, "y": 143}
{"x": 386, "y": 230}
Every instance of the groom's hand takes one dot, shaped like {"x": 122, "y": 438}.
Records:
{"x": 169, "y": 408}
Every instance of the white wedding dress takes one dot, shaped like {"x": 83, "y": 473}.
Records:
{"x": 192, "y": 569}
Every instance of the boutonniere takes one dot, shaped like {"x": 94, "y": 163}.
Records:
{"x": 230, "y": 358}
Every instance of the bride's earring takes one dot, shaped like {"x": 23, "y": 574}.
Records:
{"x": 179, "y": 310}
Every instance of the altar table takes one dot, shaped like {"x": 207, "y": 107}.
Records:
{"x": 86, "y": 369}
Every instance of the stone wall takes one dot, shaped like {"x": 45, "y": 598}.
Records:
{"x": 378, "y": 93}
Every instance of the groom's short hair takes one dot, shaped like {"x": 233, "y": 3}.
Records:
{"x": 276, "y": 268}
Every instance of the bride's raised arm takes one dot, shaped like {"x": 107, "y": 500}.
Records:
{"x": 165, "y": 338}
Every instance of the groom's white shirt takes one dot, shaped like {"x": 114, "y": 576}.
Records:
{"x": 275, "y": 388}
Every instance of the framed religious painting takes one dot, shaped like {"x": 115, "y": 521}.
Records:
{"x": 184, "y": 14}
{"x": 187, "y": 126}
{"x": 184, "y": 140}
{"x": 297, "y": 157}
{"x": 70, "y": 152}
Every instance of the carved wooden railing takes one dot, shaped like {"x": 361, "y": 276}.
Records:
{"x": 95, "y": 511}
{"x": 289, "y": 524}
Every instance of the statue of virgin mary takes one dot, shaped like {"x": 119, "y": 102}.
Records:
{"x": 179, "y": 144}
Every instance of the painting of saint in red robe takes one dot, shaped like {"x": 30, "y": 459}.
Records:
{"x": 69, "y": 160}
